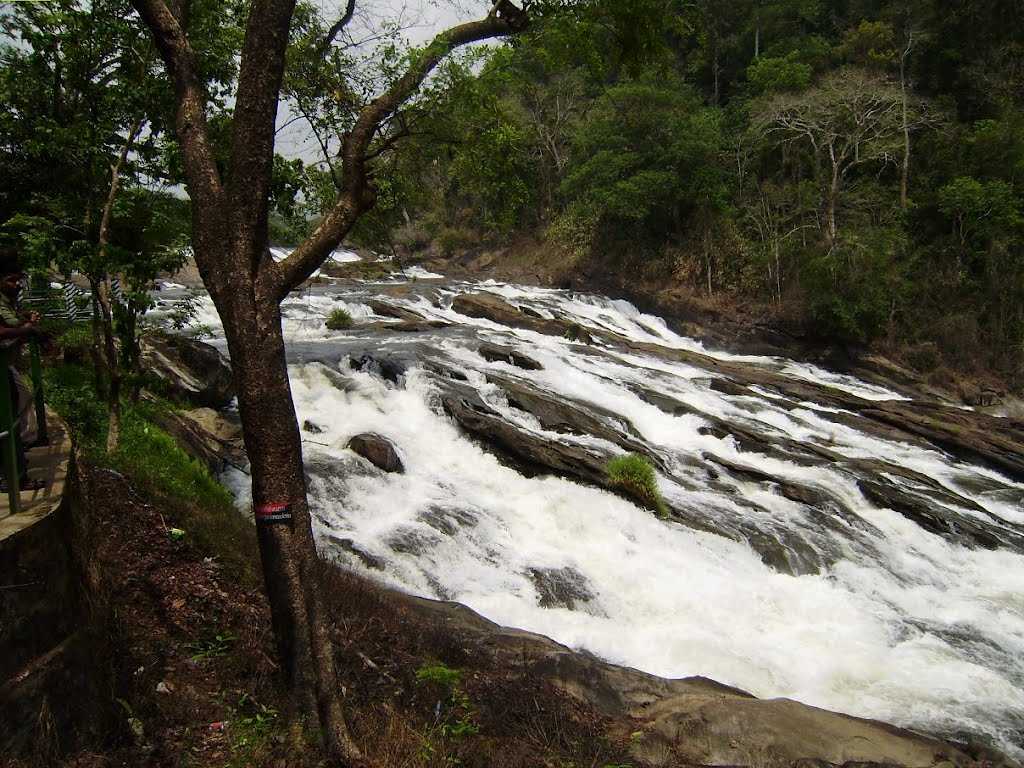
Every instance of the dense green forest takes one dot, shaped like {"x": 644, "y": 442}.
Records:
{"x": 852, "y": 167}
{"x": 856, "y": 165}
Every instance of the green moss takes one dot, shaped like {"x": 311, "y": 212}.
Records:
{"x": 633, "y": 475}
{"x": 339, "y": 320}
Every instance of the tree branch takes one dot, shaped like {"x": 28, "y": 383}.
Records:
{"x": 204, "y": 182}
{"x": 357, "y": 194}
{"x": 335, "y": 30}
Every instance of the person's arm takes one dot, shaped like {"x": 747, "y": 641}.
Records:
{"x": 19, "y": 332}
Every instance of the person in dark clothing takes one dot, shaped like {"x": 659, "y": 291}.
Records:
{"x": 15, "y": 330}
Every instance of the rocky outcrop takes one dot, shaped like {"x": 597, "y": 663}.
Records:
{"x": 387, "y": 309}
{"x": 692, "y": 721}
{"x": 491, "y": 307}
{"x": 561, "y": 587}
{"x": 192, "y": 371}
{"x": 212, "y": 437}
{"x": 378, "y": 451}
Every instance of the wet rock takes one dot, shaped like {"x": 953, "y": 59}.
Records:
{"x": 576, "y": 332}
{"x": 421, "y": 326}
{"x": 730, "y": 387}
{"x": 560, "y": 415}
{"x": 693, "y": 721}
{"x": 411, "y": 541}
{"x": 448, "y": 520}
{"x": 214, "y": 438}
{"x": 446, "y": 371}
{"x": 313, "y": 429}
{"x": 489, "y": 307}
{"x": 929, "y": 515}
{"x": 377, "y": 450}
{"x": 387, "y": 368}
{"x": 348, "y": 545}
{"x": 495, "y": 353}
{"x": 530, "y": 454}
{"x": 386, "y": 309}
{"x": 972, "y": 436}
{"x": 192, "y": 370}
{"x": 560, "y": 587}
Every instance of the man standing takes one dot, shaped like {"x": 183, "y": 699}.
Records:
{"x": 16, "y": 329}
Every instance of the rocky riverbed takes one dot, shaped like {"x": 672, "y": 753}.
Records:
{"x": 846, "y": 543}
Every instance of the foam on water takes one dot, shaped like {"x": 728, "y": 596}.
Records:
{"x": 899, "y": 624}
{"x": 673, "y": 601}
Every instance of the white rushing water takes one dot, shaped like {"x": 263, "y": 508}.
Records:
{"x": 897, "y": 624}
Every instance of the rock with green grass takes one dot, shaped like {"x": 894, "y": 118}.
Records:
{"x": 339, "y": 320}
{"x": 633, "y": 475}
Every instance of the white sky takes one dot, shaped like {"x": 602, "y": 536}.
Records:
{"x": 420, "y": 19}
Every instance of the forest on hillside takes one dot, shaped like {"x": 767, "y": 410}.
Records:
{"x": 857, "y": 166}
{"x": 852, "y": 166}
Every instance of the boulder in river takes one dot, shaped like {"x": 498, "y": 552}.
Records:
{"x": 560, "y": 587}
{"x": 191, "y": 370}
{"x": 378, "y": 451}
{"x": 496, "y": 353}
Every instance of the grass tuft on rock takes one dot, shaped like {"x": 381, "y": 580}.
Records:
{"x": 633, "y": 475}
{"x": 339, "y": 320}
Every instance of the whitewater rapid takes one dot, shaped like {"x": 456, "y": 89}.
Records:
{"x": 898, "y": 624}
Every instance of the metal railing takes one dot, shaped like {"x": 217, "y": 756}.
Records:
{"x": 10, "y": 425}
{"x": 55, "y": 301}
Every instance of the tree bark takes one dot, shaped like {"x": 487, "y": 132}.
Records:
{"x": 284, "y": 528}
{"x": 832, "y": 230}
{"x": 905, "y": 169}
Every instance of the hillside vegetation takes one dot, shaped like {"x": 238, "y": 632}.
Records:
{"x": 855, "y": 167}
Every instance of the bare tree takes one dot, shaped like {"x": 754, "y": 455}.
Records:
{"x": 230, "y": 239}
{"x": 905, "y": 117}
{"x": 850, "y": 119}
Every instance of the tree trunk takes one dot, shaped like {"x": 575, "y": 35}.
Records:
{"x": 832, "y": 230}
{"x": 229, "y": 227}
{"x": 104, "y": 292}
{"x": 96, "y": 348}
{"x": 287, "y": 549}
{"x": 905, "y": 169}
{"x": 113, "y": 370}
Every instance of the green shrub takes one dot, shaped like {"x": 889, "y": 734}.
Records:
{"x": 634, "y": 475}
{"x": 458, "y": 715}
{"x": 440, "y": 675}
{"x": 339, "y": 320}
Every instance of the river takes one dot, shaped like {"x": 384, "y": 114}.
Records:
{"x": 813, "y": 552}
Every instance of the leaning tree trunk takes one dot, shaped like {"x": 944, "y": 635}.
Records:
{"x": 281, "y": 510}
